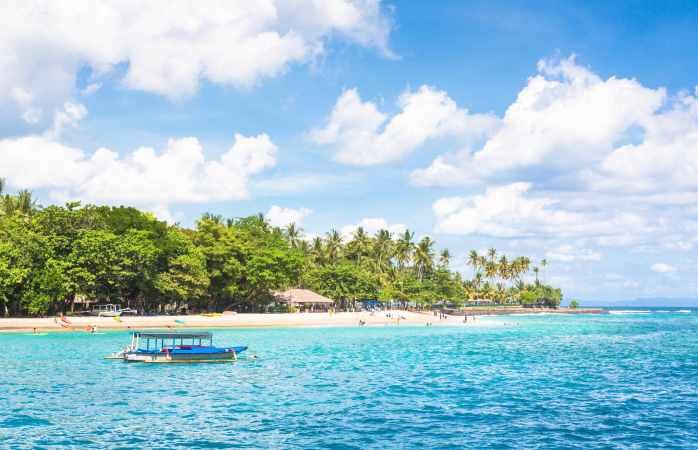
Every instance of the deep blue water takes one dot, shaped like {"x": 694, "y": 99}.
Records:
{"x": 612, "y": 381}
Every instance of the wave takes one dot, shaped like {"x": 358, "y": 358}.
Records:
{"x": 629, "y": 311}
{"x": 685, "y": 311}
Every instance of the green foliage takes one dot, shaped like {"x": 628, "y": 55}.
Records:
{"x": 50, "y": 257}
{"x": 574, "y": 304}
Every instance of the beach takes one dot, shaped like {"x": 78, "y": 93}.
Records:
{"x": 383, "y": 318}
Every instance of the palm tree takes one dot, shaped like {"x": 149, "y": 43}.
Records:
{"x": 333, "y": 245}
{"x": 477, "y": 280}
{"x": 491, "y": 270}
{"x": 358, "y": 246}
{"x": 504, "y": 269}
{"x": 293, "y": 234}
{"x": 445, "y": 258}
{"x": 535, "y": 271}
{"x": 424, "y": 257}
{"x": 383, "y": 248}
{"x": 474, "y": 260}
{"x": 543, "y": 264}
{"x": 303, "y": 246}
{"x": 318, "y": 250}
{"x": 492, "y": 253}
{"x": 404, "y": 249}
{"x": 215, "y": 218}
{"x": 25, "y": 203}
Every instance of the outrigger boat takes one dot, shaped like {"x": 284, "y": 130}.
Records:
{"x": 175, "y": 348}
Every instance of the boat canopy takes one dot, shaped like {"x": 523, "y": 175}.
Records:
{"x": 161, "y": 340}
{"x": 174, "y": 335}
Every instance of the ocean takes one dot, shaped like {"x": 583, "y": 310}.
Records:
{"x": 622, "y": 380}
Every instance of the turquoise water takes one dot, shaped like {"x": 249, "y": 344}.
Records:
{"x": 614, "y": 381}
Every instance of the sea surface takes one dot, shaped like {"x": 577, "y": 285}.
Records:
{"x": 622, "y": 380}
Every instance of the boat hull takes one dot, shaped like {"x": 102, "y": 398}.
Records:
{"x": 195, "y": 355}
{"x": 162, "y": 358}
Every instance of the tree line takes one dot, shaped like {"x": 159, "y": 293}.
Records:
{"x": 56, "y": 256}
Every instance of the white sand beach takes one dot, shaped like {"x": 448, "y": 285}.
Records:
{"x": 227, "y": 321}
{"x": 78, "y": 323}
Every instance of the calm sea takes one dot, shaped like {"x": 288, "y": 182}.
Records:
{"x": 623, "y": 380}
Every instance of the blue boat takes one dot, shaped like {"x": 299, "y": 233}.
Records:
{"x": 176, "y": 347}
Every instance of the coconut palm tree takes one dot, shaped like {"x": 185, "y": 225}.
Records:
{"x": 424, "y": 257}
{"x": 383, "y": 249}
{"x": 303, "y": 246}
{"x": 444, "y": 258}
{"x": 404, "y": 249}
{"x": 474, "y": 260}
{"x": 359, "y": 245}
{"x": 503, "y": 269}
{"x": 543, "y": 265}
{"x": 477, "y": 280}
{"x": 317, "y": 249}
{"x": 293, "y": 234}
{"x": 535, "y": 271}
{"x": 491, "y": 270}
{"x": 25, "y": 203}
{"x": 215, "y": 218}
{"x": 492, "y": 253}
{"x": 333, "y": 245}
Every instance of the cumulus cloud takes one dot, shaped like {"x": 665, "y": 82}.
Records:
{"x": 180, "y": 173}
{"x": 372, "y": 225}
{"x": 281, "y": 217}
{"x": 362, "y": 135}
{"x": 578, "y": 155}
{"x": 513, "y": 211}
{"x": 662, "y": 268}
{"x": 566, "y": 122}
{"x": 569, "y": 253}
{"x": 168, "y": 49}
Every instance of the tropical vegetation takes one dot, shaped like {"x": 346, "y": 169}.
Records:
{"x": 54, "y": 257}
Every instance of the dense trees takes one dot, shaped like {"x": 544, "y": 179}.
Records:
{"x": 53, "y": 257}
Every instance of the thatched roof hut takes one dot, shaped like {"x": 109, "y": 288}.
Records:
{"x": 304, "y": 297}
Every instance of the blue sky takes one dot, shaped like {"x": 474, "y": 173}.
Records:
{"x": 559, "y": 130}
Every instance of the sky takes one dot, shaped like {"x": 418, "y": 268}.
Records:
{"x": 558, "y": 130}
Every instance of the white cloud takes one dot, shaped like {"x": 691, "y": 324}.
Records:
{"x": 564, "y": 120}
{"x": 362, "y": 135}
{"x": 168, "y": 49}
{"x": 662, "y": 268}
{"x": 91, "y": 88}
{"x": 609, "y": 159}
{"x": 69, "y": 116}
{"x": 281, "y": 217}
{"x": 178, "y": 174}
{"x": 24, "y": 101}
{"x": 372, "y": 225}
{"x": 569, "y": 253}
{"x": 512, "y": 211}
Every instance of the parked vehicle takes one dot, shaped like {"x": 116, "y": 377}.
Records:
{"x": 110, "y": 310}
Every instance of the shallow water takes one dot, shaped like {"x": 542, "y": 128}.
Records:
{"x": 616, "y": 381}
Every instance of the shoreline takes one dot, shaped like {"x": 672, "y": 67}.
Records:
{"x": 249, "y": 320}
